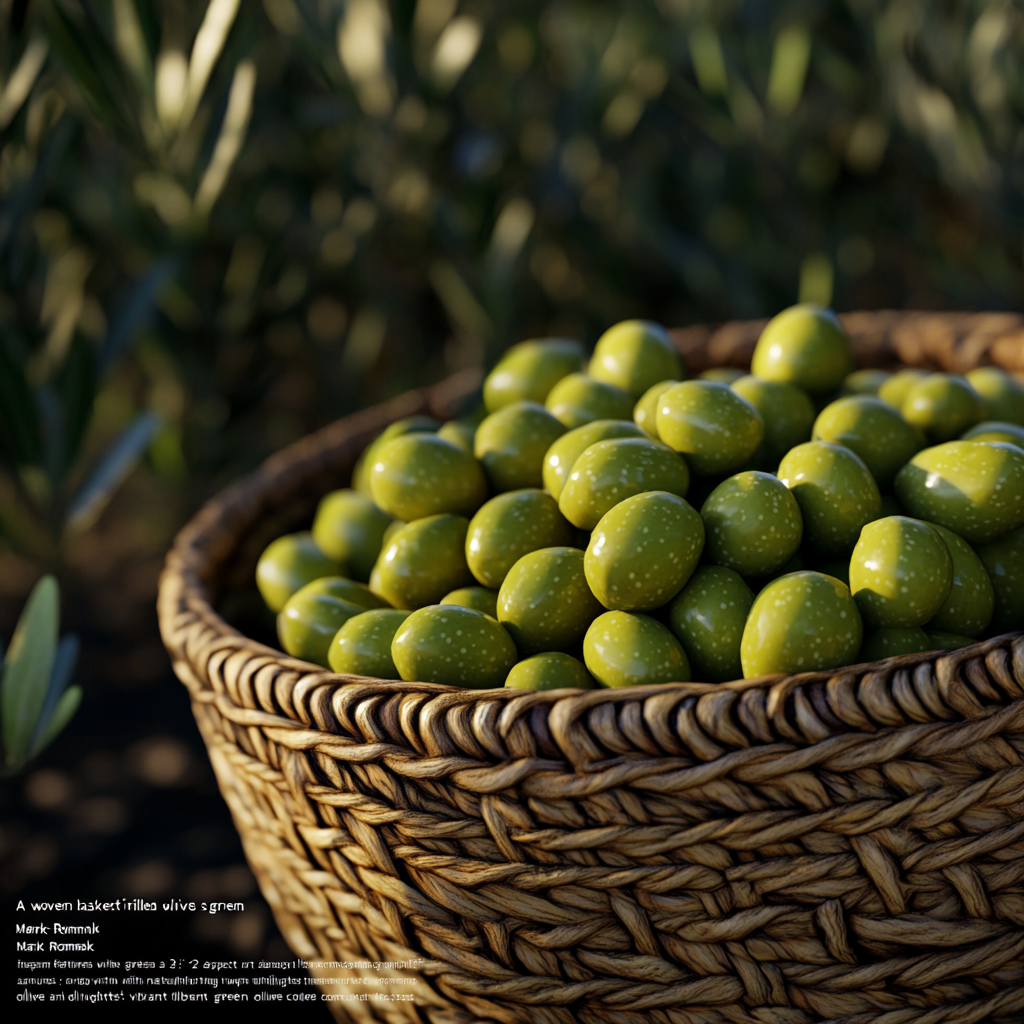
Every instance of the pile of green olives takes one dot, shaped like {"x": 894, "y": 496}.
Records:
{"x": 612, "y": 522}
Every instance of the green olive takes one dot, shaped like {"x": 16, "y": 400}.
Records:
{"x": 550, "y": 671}
{"x": 512, "y": 442}
{"x": 410, "y": 425}
{"x": 419, "y": 475}
{"x": 425, "y": 560}
{"x": 1004, "y": 562}
{"x": 968, "y": 609}
{"x": 643, "y": 550}
{"x": 561, "y": 456}
{"x": 804, "y": 345}
{"x": 788, "y": 415}
{"x": 635, "y": 354}
{"x": 836, "y": 493}
{"x": 454, "y": 646}
{"x": 528, "y": 371}
{"x": 579, "y": 399}
{"x": 803, "y": 622}
{"x": 722, "y": 374}
{"x": 480, "y": 599}
{"x": 645, "y": 412}
{"x": 752, "y": 524}
{"x": 627, "y": 649}
{"x": 510, "y": 526}
{"x": 873, "y": 430}
{"x": 974, "y": 488}
{"x": 890, "y": 643}
{"x": 1002, "y": 394}
{"x": 708, "y": 616}
{"x": 943, "y": 405}
{"x": 460, "y": 433}
{"x": 712, "y": 426}
{"x": 346, "y": 590}
{"x": 994, "y": 430}
{"x": 545, "y": 602}
{"x": 288, "y": 564}
{"x": 611, "y": 471}
{"x": 310, "y": 618}
{"x": 947, "y": 641}
{"x": 900, "y": 573}
{"x": 349, "y": 527}
{"x": 895, "y": 389}
{"x": 362, "y": 647}
{"x": 864, "y": 382}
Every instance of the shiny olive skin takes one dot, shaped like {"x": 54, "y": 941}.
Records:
{"x": 419, "y": 475}
{"x": 409, "y": 425}
{"x": 288, "y": 564}
{"x": 545, "y": 602}
{"x": 460, "y": 433}
{"x": 346, "y": 590}
{"x": 643, "y": 550}
{"x": 551, "y": 670}
{"x": 512, "y": 442}
{"x": 309, "y": 620}
{"x": 752, "y": 524}
{"x": 943, "y": 405}
{"x": 971, "y": 601}
{"x": 645, "y": 412}
{"x": 1004, "y": 562}
{"x": 362, "y": 646}
{"x": 579, "y": 399}
{"x": 804, "y": 345}
{"x": 512, "y": 525}
{"x": 715, "y": 429}
{"x": 995, "y": 430}
{"x": 788, "y": 415}
{"x": 901, "y": 573}
{"x": 349, "y": 527}
{"x": 562, "y": 455}
{"x": 454, "y": 646}
{"x": 708, "y": 616}
{"x": 863, "y": 382}
{"x": 1001, "y": 394}
{"x": 635, "y": 354}
{"x": 528, "y": 371}
{"x": 974, "y": 488}
{"x": 611, "y": 471}
{"x": 938, "y": 641}
{"x": 891, "y": 643}
{"x": 425, "y": 560}
{"x": 480, "y": 599}
{"x": 802, "y": 622}
{"x": 836, "y": 493}
{"x": 629, "y": 649}
{"x": 873, "y": 430}
{"x": 896, "y": 388}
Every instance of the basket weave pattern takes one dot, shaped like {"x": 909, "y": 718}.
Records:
{"x": 844, "y": 846}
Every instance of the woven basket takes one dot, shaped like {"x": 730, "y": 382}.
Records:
{"x": 844, "y": 846}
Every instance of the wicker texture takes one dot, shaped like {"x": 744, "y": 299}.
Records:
{"x": 843, "y": 846}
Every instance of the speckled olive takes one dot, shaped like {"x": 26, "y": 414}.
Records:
{"x": 713, "y": 427}
{"x": 362, "y": 646}
{"x": 836, "y": 493}
{"x": 643, "y": 550}
{"x": 480, "y": 599}
{"x": 895, "y": 389}
{"x": 968, "y": 609}
{"x": 579, "y": 399}
{"x": 752, "y": 524}
{"x": 288, "y": 564}
{"x": 994, "y": 430}
{"x": 310, "y": 618}
{"x": 420, "y": 475}
{"x": 788, "y": 415}
{"x": 890, "y": 643}
{"x": 552, "y": 670}
{"x": 1002, "y": 395}
{"x": 974, "y": 488}
{"x": 425, "y": 560}
{"x": 938, "y": 641}
{"x": 802, "y": 622}
{"x": 722, "y": 374}
{"x": 645, "y": 412}
{"x": 627, "y": 649}
{"x": 872, "y": 429}
{"x": 460, "y": 433}
{"x": 708, "y": 616}
{"x": 510, "y": 526}
{"x": 943, "y": 405}
{"x": 528, "y": 371}
{"x": 454, "y": 646}
{"x": 1004, "y": 562}
{"x": 512, "y": 442}
{"x": 635, "y": 354}
{"x": 864, "y": 382}
{"x": 409, "y": 425}
{"x": 611, "y": 471}
{"x": 562, "y": 455}
{"x": 804, "y": 345}
{"x": 900, "y": 573}
{"x": 545, "y": 602}
{"x": 348, "y": 526}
